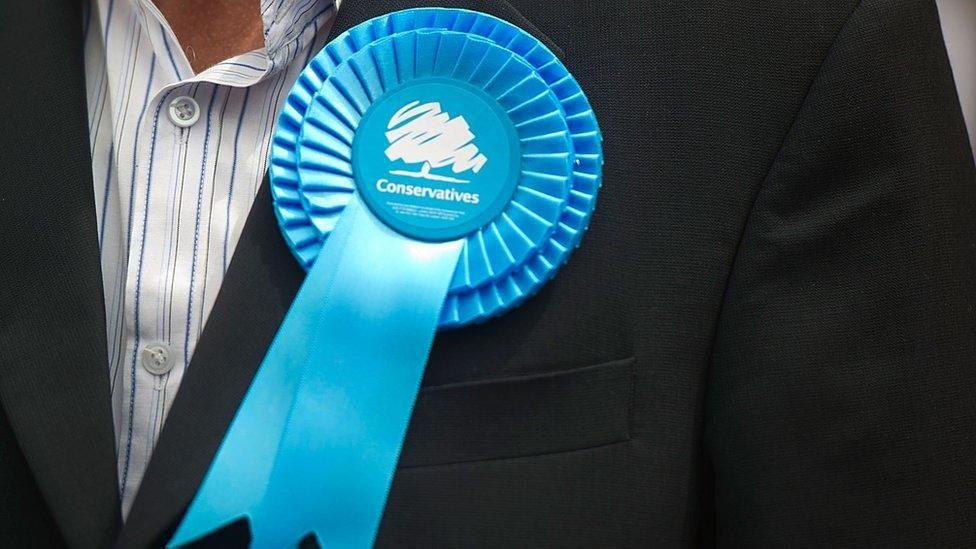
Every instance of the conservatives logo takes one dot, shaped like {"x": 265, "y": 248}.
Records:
{"x": 423, "y": 134}
{"x": 436, "y": 158}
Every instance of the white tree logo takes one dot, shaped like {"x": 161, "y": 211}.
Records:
{"x": 422, "y": 133}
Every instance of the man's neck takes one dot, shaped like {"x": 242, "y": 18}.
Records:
{"x": 210, "y": 31}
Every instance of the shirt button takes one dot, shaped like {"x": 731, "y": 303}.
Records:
{"x": 157, "y": 359}
{"x": 184, "y": 111}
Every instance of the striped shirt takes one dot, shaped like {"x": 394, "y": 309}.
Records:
{"x": 171, "y": 200}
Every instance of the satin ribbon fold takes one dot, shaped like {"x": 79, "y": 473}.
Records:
{"x": 314, "y": 445}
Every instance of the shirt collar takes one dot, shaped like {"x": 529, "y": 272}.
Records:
{"x": 289, "y": 29}
{"x": 285, "y": 26}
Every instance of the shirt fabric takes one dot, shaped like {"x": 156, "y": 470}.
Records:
{"x": 171, "y": 201}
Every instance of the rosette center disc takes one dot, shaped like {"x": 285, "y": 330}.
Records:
{"x": 436, "y": 159}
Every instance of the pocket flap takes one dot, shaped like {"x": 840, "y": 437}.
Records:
{"x": 521, "y": 416}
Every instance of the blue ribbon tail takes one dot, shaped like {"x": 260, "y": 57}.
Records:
{"x": 314, "y": 445}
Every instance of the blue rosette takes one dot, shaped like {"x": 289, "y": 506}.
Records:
{"x": 444, "y": 164}
{"x": 506, "y": 257}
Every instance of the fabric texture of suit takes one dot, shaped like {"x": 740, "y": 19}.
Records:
{"x": 767, "y": 338}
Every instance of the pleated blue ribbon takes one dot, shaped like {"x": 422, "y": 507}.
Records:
{"x": 432, "y": 168}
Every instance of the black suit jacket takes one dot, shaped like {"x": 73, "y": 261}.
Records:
{"x": 767, "y": 338}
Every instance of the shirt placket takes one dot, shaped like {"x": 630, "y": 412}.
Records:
{"x": 150, "y": 356}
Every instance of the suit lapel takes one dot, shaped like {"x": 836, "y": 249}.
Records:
{"x": 260, "y": 284}
{"x": 257, "y": 290}
{"x": 54, "y": 383}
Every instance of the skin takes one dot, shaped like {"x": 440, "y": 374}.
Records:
{"x": 211, "y": 31}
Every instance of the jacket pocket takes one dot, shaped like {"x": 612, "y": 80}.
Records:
{"x": 521, "y": 416}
